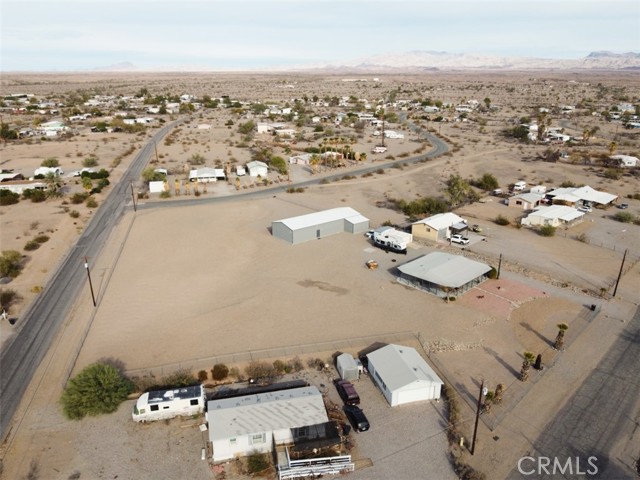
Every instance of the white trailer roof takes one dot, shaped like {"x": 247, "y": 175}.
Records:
{"x": 265, "y": 412}
{"x": 441, "y": 220}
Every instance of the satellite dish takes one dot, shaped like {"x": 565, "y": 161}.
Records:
{"x": 485, "y": 390}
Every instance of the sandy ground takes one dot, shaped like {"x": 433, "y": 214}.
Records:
{"x": 180, "y": 287}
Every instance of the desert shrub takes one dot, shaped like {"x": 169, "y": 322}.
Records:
{"x": 487, "y": 182}
{"x": 547, "y": 230}
{"x": 493, "y": 273}
{"x": 50, "y": 162}
{"x": 181, "y": 378}
{"x": 31, "y": 245}
{"x": 202, "y": 375}
{"x": 257, "y": 369}
{"x": 165, "y": 194}
{"x": 296, "y": 364}
{"x": 8, "y": 198}
{"x": 613, "y": 173}
{"x": 380, "y": 171}
{"x": 502, "y": 220}
{"x": 257, "y": 462}
{"x": 97, "y": 389}
{"x": 582, "y": 238}
{"x": 78, "y": 198}
{"x": 624, "y": 217}
{"x": 316, "y": 363}
{"x": 10, "y": 263}
{"x": 8, "y": 297}
{"x": 91, "y": 202}
{"x": 90, "y": 162}
{"x": 219, "y": 371}
{"x": 279, "y": 366}
{"x": 235, "y": 372}
{"x": 102, "y": 173}
{"x": 74, "y": 214}
{"x": 41, "y": 239}
{"x": 35, "y": 195}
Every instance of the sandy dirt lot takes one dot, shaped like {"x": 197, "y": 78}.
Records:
{"x": 182, "y": 286}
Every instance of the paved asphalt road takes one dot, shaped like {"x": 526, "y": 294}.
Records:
{"x": 21, "y": 355}
{"x": 603, "y": 412}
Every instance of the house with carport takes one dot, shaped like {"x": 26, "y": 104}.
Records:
{"x": 581, "y": 196}
{"x": 438, "y": 227}
{"x": 403, "y": 376}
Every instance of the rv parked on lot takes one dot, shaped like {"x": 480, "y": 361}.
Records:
{"x": 392, "y": 240}
{"x": 163, "y": 404}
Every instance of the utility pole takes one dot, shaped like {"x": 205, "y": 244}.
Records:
{"x": 86, "y": 265}
{"x": 155, "y": 147}
{"x": 133, "y": 198}
{"x": 620, "y": 272}
{"x": 475, "y": 429}
{"x": 499, "y": 265}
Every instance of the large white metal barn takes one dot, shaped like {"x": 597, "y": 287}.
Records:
{"x": 317, "y": 225}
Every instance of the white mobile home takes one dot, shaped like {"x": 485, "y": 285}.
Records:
{"x": 162, "y": 404}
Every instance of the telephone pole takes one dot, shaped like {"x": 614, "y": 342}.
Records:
{"x": 475, "y": 429}
{"x": 86, "y": 266}
{"x": 620, "y": 272}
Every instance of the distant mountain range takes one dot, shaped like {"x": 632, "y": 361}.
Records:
{"x": 424, "y": 61}
{"x": 434, "y": 61}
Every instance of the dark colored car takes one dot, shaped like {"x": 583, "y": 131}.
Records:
{"x": 357, "y": 418}
{"x": 347, "y": 392}
{"x": 623, "y": 206}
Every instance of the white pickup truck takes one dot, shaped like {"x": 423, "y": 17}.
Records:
{"x": 457, "y": 238}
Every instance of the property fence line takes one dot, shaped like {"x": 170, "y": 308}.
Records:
{"x": 206, "y": 363}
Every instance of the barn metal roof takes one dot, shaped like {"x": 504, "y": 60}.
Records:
{"x": 324, "y": 216}
{"x": 444, "y": 269}
{"x": 400, "y": 366}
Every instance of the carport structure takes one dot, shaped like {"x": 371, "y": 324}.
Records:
{"x": 443, "y": 274}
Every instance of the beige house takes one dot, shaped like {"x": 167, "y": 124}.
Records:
{"x": 438, "y": 227}
{"x": 525, "y": 201}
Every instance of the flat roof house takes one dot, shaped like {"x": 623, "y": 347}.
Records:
{"x": 239, "y": 426}
{"x": 321, "y": 224}
{"x": 443, "y": 274}
{"x": 403, "y": 375}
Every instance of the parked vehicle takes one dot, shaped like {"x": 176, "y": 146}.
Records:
{"x": 357, "y": 418}
{"x": 623, "y": 206}
{"x": 389, "y": 242}
{"x": 584, "y": 208}
{"x": 459, "y": 239}
{"x": 347, "y": 392}
{"x": 476, "y": 228}
{"x": 164, "y": 404}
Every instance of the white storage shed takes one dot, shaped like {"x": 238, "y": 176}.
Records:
{"x": 347, "y": 367}
{"x": 319, "y": 225}
{"x": 403, "y": 375}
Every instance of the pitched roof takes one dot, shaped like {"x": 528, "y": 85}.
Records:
{"x": 441, "y": 220}
{"x": 324, "y": 216}
{"x": 561, "y": 212}
{"x": 585, "y": 193}
{"x": 400, "y": 366}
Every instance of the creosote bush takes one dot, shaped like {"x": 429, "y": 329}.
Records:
{"x": 219, "y": 371}
{"x": 502, "y": 220}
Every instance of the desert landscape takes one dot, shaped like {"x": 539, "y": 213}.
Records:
{"x": 193, "y": 277}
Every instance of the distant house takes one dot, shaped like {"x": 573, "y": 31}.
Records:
{"x": 438, "y": 227}
{"x": 302, "y": 159}
{"x": 525, "y": 201}
{"x": 626, "y": 160}
{"x": 553, "y": 215}
{"x": 239, "y": 426}
{"x": 47, "y": 170}
{"x": 403, "y": 376}
{"x": 10, "y": 177}
{"x": 257, "y": 169}
{"x": 581, "y": 195}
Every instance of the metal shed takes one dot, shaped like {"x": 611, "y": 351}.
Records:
{"x": 347, "y": 367}
{"x": 314, "y": 226}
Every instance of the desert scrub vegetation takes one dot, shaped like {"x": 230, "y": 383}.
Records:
{"x": 10, "y": 263}
{"x": 98, "y": 389}
{"x": 502, "y": 220}
{"x": 547, "y": 231}
{"x": 8, "y": 297}
{"x": 624, "y": 217}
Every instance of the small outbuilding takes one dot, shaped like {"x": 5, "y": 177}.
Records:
{"x": 257, "y": 169}
{"x": 347, "y": 367}
{"x": 403, "y": 375}
{"x": 443, "y": 274}
{"x": 317, "y": 225}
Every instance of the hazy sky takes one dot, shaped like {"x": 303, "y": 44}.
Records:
{"x": 239, "y": 34}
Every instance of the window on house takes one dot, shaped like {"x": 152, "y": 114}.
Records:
{"x": 194, "y": 401}
{"x": 257, "y": 438}
{"x": 233, "y": 441}
{"x": 154, "y": 408}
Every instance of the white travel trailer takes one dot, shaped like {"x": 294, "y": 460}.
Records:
{"x": 163, "y": 404}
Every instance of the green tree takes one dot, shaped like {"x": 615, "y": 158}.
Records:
{"x": 487, "y": 102}
{"x": 50, "y": 162}
{"x": 487, "y": 182}
{"x": 54, "y": 185}
{"x": 150, "y": 175}
{"x": 7, "y": 133}
{"x": 247, "y": 127}
{"x": 459, "y": 191}
{"x": 279, "y": 164}
{"x": 8, "y": 197}
{"x": 98, "y": 389}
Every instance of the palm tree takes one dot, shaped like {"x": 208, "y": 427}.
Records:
{"x": 489, "y": 398}
{"x": 526, "y": 365}
{"x": 559, "y": 343}
{"x": 586, "y": 135}
{"x": 54, "y": 185}
{"x": 314, "y": 161}
{"x": 498, "y": 394}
